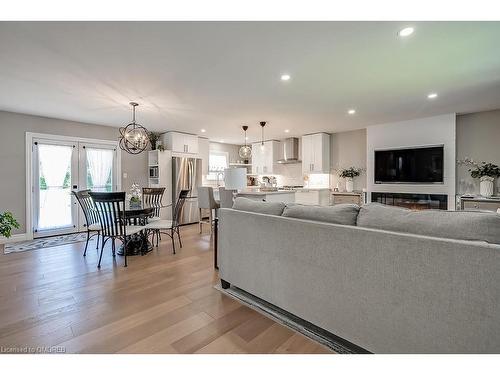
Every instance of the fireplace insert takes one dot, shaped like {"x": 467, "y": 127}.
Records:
{"x": 412, "y": 201}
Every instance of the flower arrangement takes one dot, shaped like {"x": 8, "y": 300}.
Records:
{"x": 350, "y": 172}
{"x": 7, "y": 223}
{"x": 481, "y": 169}
{"x": 135, "y": 194}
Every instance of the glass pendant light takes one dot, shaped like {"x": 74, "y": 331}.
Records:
{"x": 262, "y": 124}
{"x": 245, "y": 151}
{"x": 134, "y": 137}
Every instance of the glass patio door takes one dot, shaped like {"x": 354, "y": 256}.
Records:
{"x": 55, "y": 172}
{"x": 98, "y": 170}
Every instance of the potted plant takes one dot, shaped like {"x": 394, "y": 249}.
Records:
{"x": 7, "y": 223}
{"x": 486, "y": 172}
{"x": 153, "y": 139}
{"x": 349, "y": 174}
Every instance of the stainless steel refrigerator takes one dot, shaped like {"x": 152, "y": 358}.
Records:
{"x": 186, "y": 175}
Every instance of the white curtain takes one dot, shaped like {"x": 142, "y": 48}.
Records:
{"x": 55, "y": 202}
{"x": 100, "y": 167}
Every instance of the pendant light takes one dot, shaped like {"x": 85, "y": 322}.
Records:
{"x": 262, "y": 124}
{"x": 245, "y": 151}
{"x": 134, "y": 137}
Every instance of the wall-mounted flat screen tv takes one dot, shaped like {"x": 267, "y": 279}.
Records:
{"x": 419, "y": 165}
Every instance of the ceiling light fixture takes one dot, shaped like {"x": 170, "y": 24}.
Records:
{"x": 351, "y": 111}
{"x": 134, "y": 137}
{"x": 262, "y": 124}
{"x": 245, "y": 151}
{"x": 203, "y": 130}
{"x": 407, "y": 31}
{"x": 287, "y": 130}
{"x": 285, "y": 77}
{"x": 432, "y": 95}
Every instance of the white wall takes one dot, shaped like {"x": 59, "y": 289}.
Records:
{"x": 348, "y": 149}
{"x": 421, "y": 132}
{"x": 478, "y": 137}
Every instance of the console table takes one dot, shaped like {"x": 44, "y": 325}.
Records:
{"x": 339, "y": 197}
{"x": 478, "y": 203}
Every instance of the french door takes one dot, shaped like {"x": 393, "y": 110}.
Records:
{"x": 60, "y": 166}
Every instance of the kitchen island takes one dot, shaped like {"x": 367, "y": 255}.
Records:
{"x": 285, "y": 196}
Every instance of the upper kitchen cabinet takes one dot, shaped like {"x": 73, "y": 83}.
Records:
{"x": 204, "y": 153}
{"x": 316, "y": 153}
{"x": 265, "y": 157}
{"x": 181, "y": 142}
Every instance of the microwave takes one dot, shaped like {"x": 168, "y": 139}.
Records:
{"x": 153, "y": 172}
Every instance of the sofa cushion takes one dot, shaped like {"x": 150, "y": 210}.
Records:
{"x": 261, "y": 207}
{"x": 460, "y": 225}
{"x": 344, "y": 214}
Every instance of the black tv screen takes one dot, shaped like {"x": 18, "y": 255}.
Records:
{"x": 422, "y": 165}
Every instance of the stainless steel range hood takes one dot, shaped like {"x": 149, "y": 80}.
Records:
{"x": 289, "y": 151}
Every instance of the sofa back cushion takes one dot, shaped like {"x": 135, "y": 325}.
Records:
{"x": 344, "y": 214}
{"x": 460, "y": 225}
{"x": 261, "y": 207}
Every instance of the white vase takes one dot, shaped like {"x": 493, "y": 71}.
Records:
{"x": 486, "y": 186}
{"x": 349, "y": 184}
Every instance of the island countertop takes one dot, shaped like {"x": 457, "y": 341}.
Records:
{"x": 260, "y": 192}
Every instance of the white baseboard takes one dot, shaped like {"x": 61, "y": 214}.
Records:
{"x": 16, "y": 238}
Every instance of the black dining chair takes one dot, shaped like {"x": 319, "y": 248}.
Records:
{"x": 152, "y": 197}
{"x": 91, "y": 216}
{"x": 170, "y": 227}
{"x": 111, "y": 210}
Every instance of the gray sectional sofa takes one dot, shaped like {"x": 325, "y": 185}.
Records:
{"x": 387, "y": 279}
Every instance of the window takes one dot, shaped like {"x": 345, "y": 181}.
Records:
{"x": 217, "y": 162}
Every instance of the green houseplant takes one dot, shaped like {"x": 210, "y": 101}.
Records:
{"x": 153, "y": 139}
{"x": 486, "y": 172}
{"x": 7, "y": 223}
{"x": 349, "y": 174}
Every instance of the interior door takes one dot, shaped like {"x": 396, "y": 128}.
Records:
{"x": 55, "y": 172}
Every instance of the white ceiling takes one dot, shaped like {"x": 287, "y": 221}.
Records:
{"x": 221, "y": 75}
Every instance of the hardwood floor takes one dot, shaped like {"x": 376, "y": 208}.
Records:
{"x": 161, "y": 303}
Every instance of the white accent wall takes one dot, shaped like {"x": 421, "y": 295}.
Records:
{"x": 438, "y": 130}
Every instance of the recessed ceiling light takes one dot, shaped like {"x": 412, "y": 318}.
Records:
{"x": 203, "y": 130}
{"x": 287, "y": 130}
{"x": 406, "y": 31}
{"x": 432, "y": 95}
{"x": 351, "y": 111}
{"x": 285, "y": 77}
{"x": 221, "y": 141}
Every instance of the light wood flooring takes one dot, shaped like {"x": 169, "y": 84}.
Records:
{"x": 161, "y": 303}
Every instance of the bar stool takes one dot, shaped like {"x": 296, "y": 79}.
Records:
{"x": 206, "y": 201}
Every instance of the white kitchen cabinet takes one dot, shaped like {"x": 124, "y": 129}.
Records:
{"x": 316, "y": 153}
{"x": 313, "y": 197}
{"x": 204, "y": 154}
{"x": 181, "y": 142}
{"x": 160, "y": 175}
{"x": 264, "y": 158}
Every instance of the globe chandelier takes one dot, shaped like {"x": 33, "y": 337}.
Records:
{"x": 134, "y": 137}
{"x": 245, "y": 151}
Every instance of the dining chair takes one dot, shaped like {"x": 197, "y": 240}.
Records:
{"x": 226, "y": 197}
{"x": 169, "y": 227}
{"x": 111, "y": 210}
{"x": 91, "y": 216}
{"x": 206, "y": 201}
{"x": 152, "y": 197}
